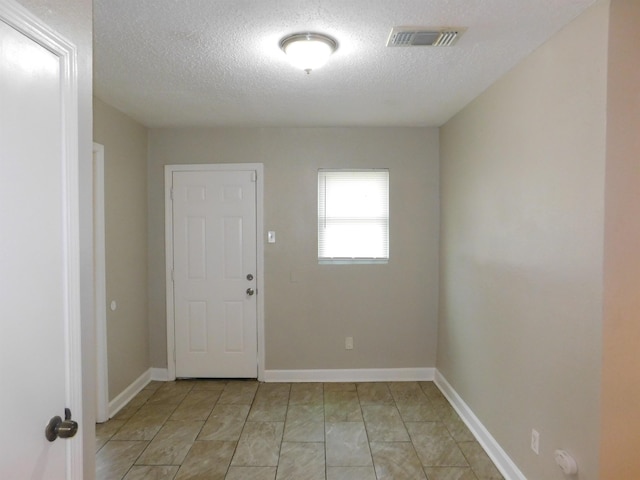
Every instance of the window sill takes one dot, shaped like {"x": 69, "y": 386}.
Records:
{"x": 353, "y": 261}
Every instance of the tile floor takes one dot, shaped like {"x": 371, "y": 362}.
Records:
{"x": 245, "y": 430}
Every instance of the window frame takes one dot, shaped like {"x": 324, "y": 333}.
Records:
{"x": 354, "y": 260}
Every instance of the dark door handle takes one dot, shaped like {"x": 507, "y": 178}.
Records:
{"x": 57, "y": 427}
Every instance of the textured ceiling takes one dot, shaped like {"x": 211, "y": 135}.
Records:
{"x": 217, "y": 62}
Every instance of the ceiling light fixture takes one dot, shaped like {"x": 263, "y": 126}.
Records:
{"x": 308, "y": 51}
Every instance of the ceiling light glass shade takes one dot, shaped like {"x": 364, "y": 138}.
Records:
{"x": 308, "y": 51}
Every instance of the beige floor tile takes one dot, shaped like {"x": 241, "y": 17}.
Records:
{"x": 259, "y": 445}
{"x": 106, "y": 430}
{"x": 171, "y": 393}
{"x": 251, "y": 473}
{"x": 145, "y": 394}
{"x": 157, "y": 410}
{"x": 457, "y": 428}
{"x": 238, "y": 393}
{"x": 341, "y": 406}
{"x": 305, "y": 412}
{"x": 170, "y": 397}
{"x": 419, "y": 412}
{"x": 153, "y": 385}
{"x": 442, "y": 407}
{"x": 347, "y": 445}
{"x": 396, "y": 461}
{"x": 407, "y": 392}
{"x": 207, "y": 461}
{"x": 211, "y": 385}
{"x": 115, "y": 458}
{"x": 126, "y": 412}
{"x": 351, "y": 473}
{"x": 171, "y": 444}
{"x": 374, "y": 394}
{"x": 339, "y": 387}
{"x": 306, "y": 394}
{"x": 273, "y": 393}
{"x": 145, "y": 423}
{"x": 225, "y": 423}
{"x": 267, "y": 412}
{"x": 431, "y": 390}
{"x": 301, "y": 460}
{"x": 434, "y": 445}
{"x": 196, "y": 405}
{"x": 152, "y": 473}
{"x": 303, "y": 431}
{"x": 305, "y": 423}
{"x": 449, "y": 473}
{"x": 480, "y": 462}
{"x": 245, "y": 430}
{"x": 384, "y": 424}
{"x": 186, "y": 384}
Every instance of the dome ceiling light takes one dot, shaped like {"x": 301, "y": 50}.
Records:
{"x": 308, "y": 51}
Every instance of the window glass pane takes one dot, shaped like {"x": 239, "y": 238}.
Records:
{"x": 353, "y": 214}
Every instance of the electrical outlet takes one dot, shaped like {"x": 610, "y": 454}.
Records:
{"x": 535, "y": 441}
{"x": 348, "y": 343}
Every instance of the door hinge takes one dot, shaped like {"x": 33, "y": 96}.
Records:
{"x": 254, "y": 176}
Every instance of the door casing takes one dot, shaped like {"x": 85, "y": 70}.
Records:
{"x": 168, "y": 176}
{"x": 100, "y": 286}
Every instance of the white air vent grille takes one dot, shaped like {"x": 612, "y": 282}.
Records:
{"x": 423, "y": 37}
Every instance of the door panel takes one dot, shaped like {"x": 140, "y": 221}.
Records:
{"x": 37, "y": 297}
{"x": 214, "y": 243}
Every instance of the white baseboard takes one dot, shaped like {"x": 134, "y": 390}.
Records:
{"x": 355, "y": 375}
{"x": 128, "y": 393}
{"x": 507, "y": 468}
{"x": 160, "y": 374}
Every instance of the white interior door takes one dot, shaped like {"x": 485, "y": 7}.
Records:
{"x": 39, "y": 287}
{"x": 214, "y": 273}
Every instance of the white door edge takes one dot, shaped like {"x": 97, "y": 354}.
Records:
{"x": 168, "y": 176}
{"x": 100, "y": 286}
{"x": 16, "y": 16}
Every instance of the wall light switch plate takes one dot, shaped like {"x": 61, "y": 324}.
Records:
{"x": 271, "y": 236}
{"x": 535, "y": 441}
{"x": 348, "y": 343}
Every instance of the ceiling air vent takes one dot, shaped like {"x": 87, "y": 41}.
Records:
{"x": 423, "y": 37}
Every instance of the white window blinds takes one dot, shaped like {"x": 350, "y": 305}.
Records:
{"x": 353, "y": 214}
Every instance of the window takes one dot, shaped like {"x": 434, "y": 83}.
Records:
{"x": 353, "y": 216}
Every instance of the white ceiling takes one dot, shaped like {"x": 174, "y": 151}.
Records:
{"x": 217, "y": 62}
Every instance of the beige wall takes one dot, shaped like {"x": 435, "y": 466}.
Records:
{"x": 74, "y": 20}
{"x": 125, "y": 160}
{"x": 621, "y": 375}
{"x": 522, "y": 251}
{"x": 390, "y": 310}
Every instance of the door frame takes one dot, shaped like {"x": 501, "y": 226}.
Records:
{"x": 23, "y": 21}
{"x": 100, "y": 285}
{"x": 168, "y": 209}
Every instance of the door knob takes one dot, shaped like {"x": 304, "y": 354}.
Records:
{"x": 57, "y": 427}
{"x": 250, "y": 291}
